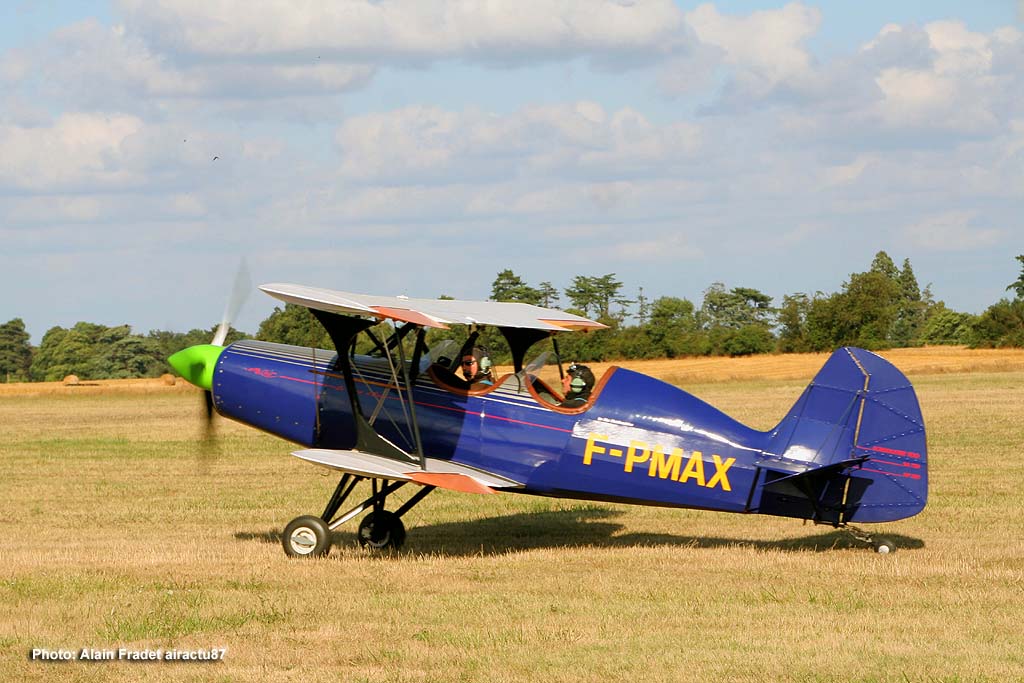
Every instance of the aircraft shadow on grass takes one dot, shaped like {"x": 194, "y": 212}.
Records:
{"x": 588, "y": 527}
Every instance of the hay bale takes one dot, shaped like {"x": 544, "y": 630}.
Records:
{"x": 71, "y": 380}
{"x": 168, "y": 379}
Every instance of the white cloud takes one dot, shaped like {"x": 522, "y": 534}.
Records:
{"x": 951, "y": 231}
{"x": 959, "y": 51}
{"x": 403, "y": 29}
{"x": 907, "y": 87}
{"x": 105, "y": 215}
{"x": 765, "y": 46}
{"x": 21, "y": 111}
{"x": 428, "y": 144}
{"x": 188, "y": 205}
{"x": 47, "y": 210}
{"x": 264, "y": 149}
{"x": 102, "y": 67}
{"x": 1016, "y": 144}
{"x": 665, "y": 249}
{"x": 635, "y": 145}
{"x": 286, "y": 60}
{"x": 804, "y": 233}
{"x": 403, "y": 143}
{"x": 844, "y": 174}
{"x": 913, "y": 96}
{"x": 78, "y": 150}
{"x": 956, "y": 92}
{"x": 15, "y": 65}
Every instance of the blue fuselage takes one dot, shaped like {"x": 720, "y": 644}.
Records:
{"x": 640, "y": 440}
{"x": 615, "y": 450}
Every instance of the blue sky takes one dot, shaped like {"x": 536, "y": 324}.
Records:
{"x": 421, "y": 147}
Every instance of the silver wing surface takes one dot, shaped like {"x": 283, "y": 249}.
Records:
{"x": 433, "y": 472}
{"x": 431, "y": 312}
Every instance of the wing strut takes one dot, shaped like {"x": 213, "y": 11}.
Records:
{"x": 414, "y": 425}
{"x": 519, "y": 340}
{"x": 343, "y": 330}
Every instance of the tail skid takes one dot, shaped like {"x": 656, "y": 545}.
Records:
{"x": 852, "y": 449}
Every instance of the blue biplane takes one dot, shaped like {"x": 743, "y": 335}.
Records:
{"x": 851, "y": 450}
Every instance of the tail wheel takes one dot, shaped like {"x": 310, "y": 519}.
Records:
{"x": 382, "y": 530}
{"x": 306, "y": 536}
{"x": 884, "y": 546}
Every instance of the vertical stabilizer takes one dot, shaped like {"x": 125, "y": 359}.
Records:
{"x": 853, "y": 447}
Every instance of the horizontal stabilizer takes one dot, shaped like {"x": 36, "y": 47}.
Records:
{"x": 827, "y": 470}
{"x": 440, "y": 473}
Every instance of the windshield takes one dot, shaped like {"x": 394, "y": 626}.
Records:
{"x": 535, "y": 366}
{"x": 542, "y": 373}
{"x": 444, "y": 353}
{"x": 545, "y": 367}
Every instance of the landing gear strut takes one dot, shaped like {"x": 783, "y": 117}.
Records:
{"x": 310, "y": 536}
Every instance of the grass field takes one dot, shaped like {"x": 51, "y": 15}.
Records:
{"x": 118, "y": 532}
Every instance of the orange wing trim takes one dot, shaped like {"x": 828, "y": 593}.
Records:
{"x": 575, "y": 324}
{"x": 450, "y": 480}
{"x": 408, "y": 316}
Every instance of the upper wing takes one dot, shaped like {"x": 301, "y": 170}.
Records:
{"x": 430, "y": 312}
{"x": 434, "y": 472}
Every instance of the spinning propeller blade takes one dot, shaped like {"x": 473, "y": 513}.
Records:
{"x": 239, "y": 293}
{"x": 207, "y": 449}
{"x": 197, "y": 363}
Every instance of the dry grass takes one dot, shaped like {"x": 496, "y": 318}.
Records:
{"x": 119, "y": 532}
{"x": 682, "y": 371}
{"x": 94, "y": 387}
{"x": 919, "y": 361}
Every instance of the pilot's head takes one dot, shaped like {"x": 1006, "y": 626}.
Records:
{"x": 476, "y": 366}
{"x": 578, "y": 382}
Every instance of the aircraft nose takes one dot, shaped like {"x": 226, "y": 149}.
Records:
{"x": 196, "y": 364}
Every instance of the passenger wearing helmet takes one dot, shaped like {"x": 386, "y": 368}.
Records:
{"x": 476, "y": 368}
{"x": 577, "y": 384}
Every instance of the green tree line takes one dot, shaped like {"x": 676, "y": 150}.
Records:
{"x": 92, "y": 351}
{"x": 882, "y": 307}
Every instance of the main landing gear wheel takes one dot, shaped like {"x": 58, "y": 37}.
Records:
{"x": 382, "y": 530}
{"x": 306, "y": 536}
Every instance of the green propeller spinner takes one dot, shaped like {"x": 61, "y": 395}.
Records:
{"x": 196, "y": 364}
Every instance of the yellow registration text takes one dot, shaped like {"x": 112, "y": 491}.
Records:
{"x": 676, "y": 464}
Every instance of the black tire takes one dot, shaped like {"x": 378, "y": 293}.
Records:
{"x": 382, "y": 531}
{"x": 306, "y": 536}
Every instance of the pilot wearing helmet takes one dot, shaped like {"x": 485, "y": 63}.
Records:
{"x": 476, "y": 368}
{"x": 577, "y": 384}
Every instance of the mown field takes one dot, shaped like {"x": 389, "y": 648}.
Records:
{"x": 119, "y": 531}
